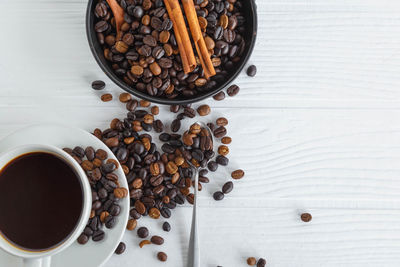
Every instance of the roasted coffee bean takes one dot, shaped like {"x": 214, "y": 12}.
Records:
{"x": 88, "y": 231}
{"x": 132, "y": 105}
{"x": 261, "y": 262}
{"x": 78, "y": 151}
{"x": 189, "y": 112}
{"x": 162, "y": 256}
{"x": 222, "y": 160}
{"x": 229, "y": 36}
{"x": 98, "y": 85}
{"x": 175, "y": 125}
{"x": 166, "y": 227}
{"x": 218, "y": 195}
{"x": 98, "y": 235}
{"x": 143, "y": 232}
{"x": 212, "y": 166}
{"x": 211, "y": 126}
{"x": 226, "y": 140}
{"x": 233, "y": 90}
{"x": 106, "y": 97}
{"x": 251, "y": 261}
{"x": 174, "y": 108}
{"x": 219, "y": 96}
{"x": 220, "y": 132}
{"x": 227, "y": 188}
{"x": 134, "y": 213}
{"x": 83, "y": 239}
{"x": 306, "y": 217}
{"x": 131, "y": 224}
{"x": 138, "y": 12}
{"x": 115, "y": 210}
{"x": 157, "y": 240}
{"x": 222, "y": 121}
{"x": 125, "y": 97}
{"x": 203, "y": 110}
{"x": 154, "y": 213}
{"x": 110, "y": 222}
{"x": 165, "y": 212}
{"x": 238, "y": 174}
{"x": 101, "y": 10}
{"x": 223, "y": 150}
{"x": 251, "y": 71}
{"x": 120, "y": 249}
{"x": 101, "y": 26}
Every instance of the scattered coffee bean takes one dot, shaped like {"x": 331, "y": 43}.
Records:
{"x": 251, "y": 261}
{"x": 131, "y": 224}
{"x": 162, "y": 256}
{"x": 155, "y": 110}
{"x": 157, "y": 240}
{"x": 233, "y": 90}
{"x": 83, "y": 239}
{"x": 238, "y": 174}
{"x": 251, "y": 71}
{"x": 174, "y": 108}
{"x": 306, "y": 217}
{"x": 219, "y": 96}
{"x": 223, "y": 150}
{"x": 220, "y": 132}
{"x": 175, "y": 125}
{"x": 227, "y": 188}
{"x": 120, "y": 249}
{"x": 143, "y": 232}
{"x": 98, "y": 85}
{"x": 261, "y": 262}
{"x": 125, "y": 97}
{"x": 98, "y": 235}
{"x": 212, "y": 166}
{"x": 166, "y": 227}
{"x": 222, "y": 121}
{"x": 144, "y": 103}
{"x": 226, "y": 140}
{"x": 222, "y": 160}
{"x": 218, "y": 195}
{"x": 204, "y": 110}
{"x": 106, "y": 97}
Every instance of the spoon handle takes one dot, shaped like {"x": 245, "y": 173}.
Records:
{"x": 194, "y": 250}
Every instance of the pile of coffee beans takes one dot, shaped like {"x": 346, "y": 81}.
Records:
{"x": 160, "y": 178}
{"x": 145, "y": 55}
{"x": 106, "y": 191}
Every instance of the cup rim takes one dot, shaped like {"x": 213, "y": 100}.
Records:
{"x": 14, "y": 249}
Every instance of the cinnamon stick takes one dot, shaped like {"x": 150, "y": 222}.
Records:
{"x": 181, "y": 35}
{"x": 198, "y": 39}
{"x": 118, "y": 13}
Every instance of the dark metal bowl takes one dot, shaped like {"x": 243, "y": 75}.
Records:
{"x": 250, "y": 13}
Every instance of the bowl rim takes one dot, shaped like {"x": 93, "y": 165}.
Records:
{"x": 91, "y": 36}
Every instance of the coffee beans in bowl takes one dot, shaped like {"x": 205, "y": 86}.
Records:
{"x": 145, "y": 58}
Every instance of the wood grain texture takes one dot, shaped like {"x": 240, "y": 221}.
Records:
{"x": 317, "y": 130}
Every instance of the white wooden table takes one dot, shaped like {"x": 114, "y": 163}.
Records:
{"x": 317, "y": 130}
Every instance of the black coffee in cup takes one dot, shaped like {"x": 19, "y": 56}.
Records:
{"x": 41, "y": 201}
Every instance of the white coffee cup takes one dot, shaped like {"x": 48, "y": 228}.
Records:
{"x": 43, "y": 258}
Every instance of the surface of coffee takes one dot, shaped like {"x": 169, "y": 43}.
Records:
{"x": 41, "y": 201}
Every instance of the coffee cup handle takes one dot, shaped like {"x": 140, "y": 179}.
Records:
{"x": 39, "y": 262}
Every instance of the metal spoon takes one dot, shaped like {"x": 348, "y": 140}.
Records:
{"x": 194, "y": 249}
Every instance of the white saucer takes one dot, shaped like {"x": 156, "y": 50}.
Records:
{"x": 93, "y": 254}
